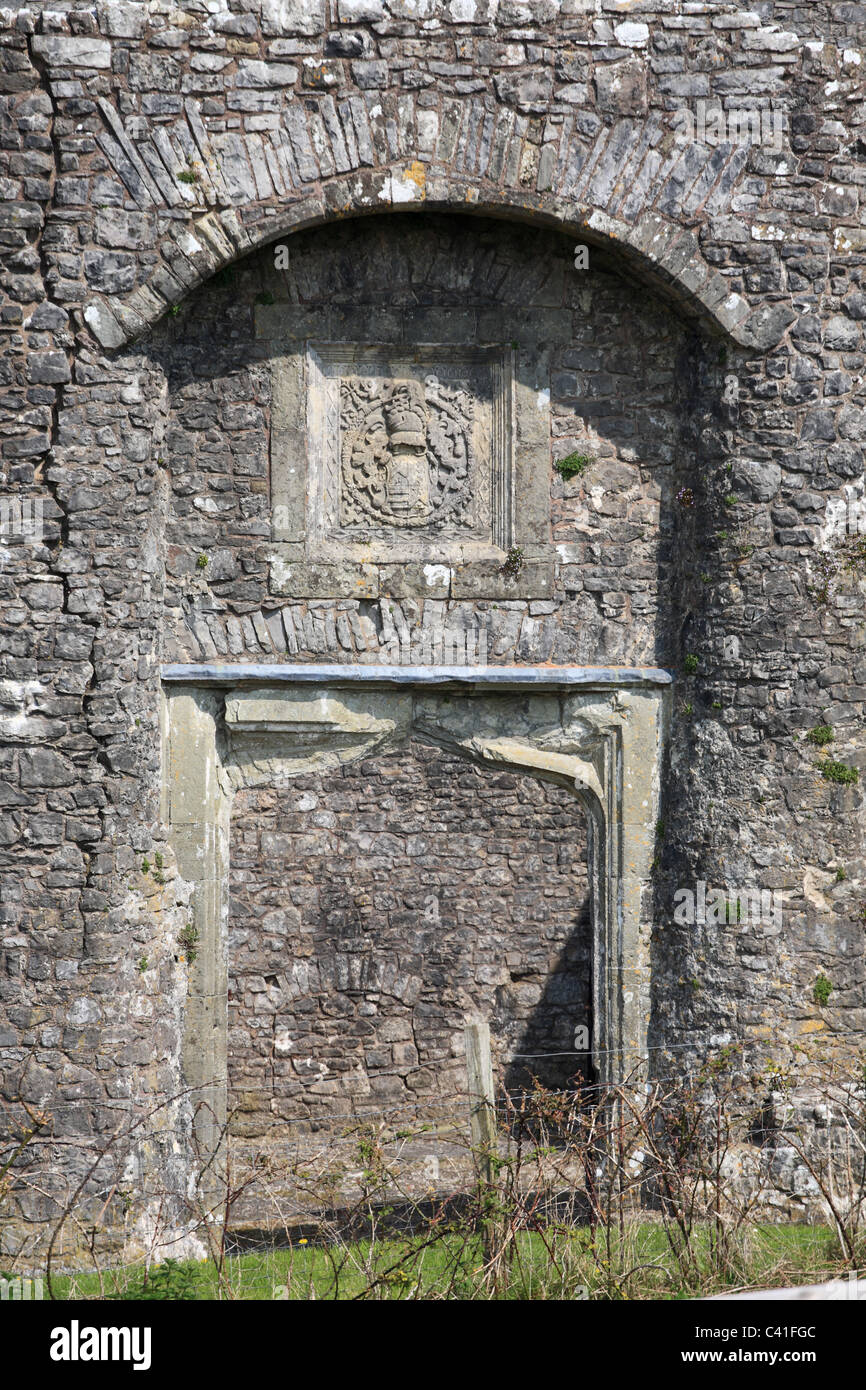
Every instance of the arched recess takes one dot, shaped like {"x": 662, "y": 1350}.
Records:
{"x": 656, "y": 250}
{"x": 599, "y": 732}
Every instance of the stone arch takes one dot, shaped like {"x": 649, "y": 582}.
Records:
{"x": 665, "y": 256}
{"x": 251, "y": 192}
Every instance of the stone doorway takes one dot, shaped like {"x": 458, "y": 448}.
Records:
{"x": 598, "y": 734}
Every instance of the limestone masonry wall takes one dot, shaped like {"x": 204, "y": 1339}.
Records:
{"x": 422, "y": 891}
{"x": 179, "y": 407}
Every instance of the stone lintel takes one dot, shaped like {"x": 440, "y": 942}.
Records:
{"x": 484, "y": 678}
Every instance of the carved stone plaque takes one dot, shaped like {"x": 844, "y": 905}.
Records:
{"x": 408, "y": 468}
{"x": 408, "y": 452}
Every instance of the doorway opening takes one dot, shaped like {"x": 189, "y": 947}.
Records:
{"x": 373, "y": 909}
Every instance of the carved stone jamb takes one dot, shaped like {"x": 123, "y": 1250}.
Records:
{"x": 196, "y": 806}
{"x": 606, "y": 747}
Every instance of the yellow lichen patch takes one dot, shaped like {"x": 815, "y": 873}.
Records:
{"x": 417, "y": 173}
{"x": 813, "y": 1025}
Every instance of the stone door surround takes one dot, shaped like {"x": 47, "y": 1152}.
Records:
{"x": 598, "y": 731}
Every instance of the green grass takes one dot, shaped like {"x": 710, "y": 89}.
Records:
{"x": 558, "y": 1264}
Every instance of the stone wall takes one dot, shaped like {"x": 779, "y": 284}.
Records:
{"x": 717, "y": 346}
{"x": 373, "y": 910}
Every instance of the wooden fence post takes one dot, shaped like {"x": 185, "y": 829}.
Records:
{"x": 482, "y": 1123}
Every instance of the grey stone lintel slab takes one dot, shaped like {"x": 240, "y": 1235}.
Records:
{"x": 481, "y": 677}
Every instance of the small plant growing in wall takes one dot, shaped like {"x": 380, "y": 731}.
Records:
{"x": 201, "y": 562}
{"x": 145, "y": 866}
{"x": 188, "y": 939}
{"x": 690, "y": 664}
{"x": 513, "y": 563}
{"x": 826, "y": 566}
{"x": 686, "y": 497}
{"x": 189, "y": 174}
{"x": 848, "y": 557}
{"x": 854, "y": 557}
{"x": 820, "y": 735}
{"x": 573, "y": 465}
{"x": 822, "y": 989}
{"x": 142, "y": 965}
{"x": 840, "y": 773}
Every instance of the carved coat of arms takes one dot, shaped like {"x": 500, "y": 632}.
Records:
{"x": 406, "y": 452}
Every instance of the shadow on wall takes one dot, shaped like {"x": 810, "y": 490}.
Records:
{"x": 553, "y": 1045}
